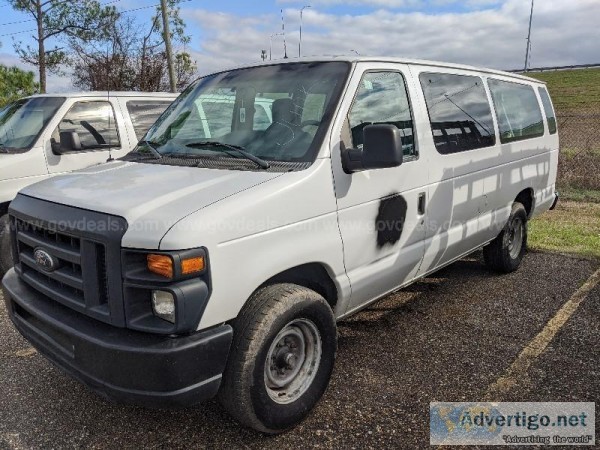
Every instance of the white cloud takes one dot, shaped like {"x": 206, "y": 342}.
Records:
{"x": 563, "y": 33}
{"x": 395, "y": 4}
{"x": 11, "y": 60}
{"x": 377, "y": 3}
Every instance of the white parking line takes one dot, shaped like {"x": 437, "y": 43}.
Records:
{"x": 518, "y": 369}
{"x": 26, "y": 352}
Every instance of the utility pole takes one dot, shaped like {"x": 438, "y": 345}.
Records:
{"x": 169, "y": 50}
{"x": 529, "y": 38}
{"x": 300, "y": 41}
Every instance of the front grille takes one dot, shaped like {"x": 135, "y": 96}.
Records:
{"x": 65, "y": 284}
{"x": 79, "y": 275}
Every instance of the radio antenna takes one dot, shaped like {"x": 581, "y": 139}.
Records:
{"x": 110, "y": 108}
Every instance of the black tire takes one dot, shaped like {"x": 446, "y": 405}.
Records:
{"x": 6, "y": 260}
{"x": 244, "y": 391}
{"x": 505, "y": 253}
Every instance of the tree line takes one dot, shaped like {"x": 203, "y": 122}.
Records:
{"x": 101, "y": 47}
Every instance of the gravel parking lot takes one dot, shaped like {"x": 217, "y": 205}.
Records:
{"x": 449, "y": 337}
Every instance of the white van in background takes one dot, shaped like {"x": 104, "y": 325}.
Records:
{"x": 45, "y": 135}
{"x": 204, "y": 265}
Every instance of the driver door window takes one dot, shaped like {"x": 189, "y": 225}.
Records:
{"x": 95, "y": 124}
{"x": 382, "y": 98}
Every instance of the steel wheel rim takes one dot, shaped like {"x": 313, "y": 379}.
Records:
{"x": 515, "y": 238}
{"x": 292, "y": 361}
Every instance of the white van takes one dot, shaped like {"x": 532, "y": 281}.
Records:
{"x": 45, "y": 135}
{"x": 201, "y": 266}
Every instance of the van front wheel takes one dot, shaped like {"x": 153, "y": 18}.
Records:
{"x": 281, "y": 358}
{"x": 505, "y": 253}
{"x": 6, "y": 261}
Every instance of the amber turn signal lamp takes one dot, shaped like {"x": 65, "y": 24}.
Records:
{"x": 161, "y": 265}
{"x": 192, "y": 265}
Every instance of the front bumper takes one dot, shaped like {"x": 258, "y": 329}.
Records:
{"x": 120, "y": 364}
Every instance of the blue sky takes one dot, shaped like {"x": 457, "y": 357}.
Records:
{"x": 481, "y": 32}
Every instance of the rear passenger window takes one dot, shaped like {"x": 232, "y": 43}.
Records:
{"x": 382, "y": 99}
{"x": 459, "y": 112}
{"x": 548, "y": 110}
{"x": 517, "y": 109}
{"x": 144, "y": 113}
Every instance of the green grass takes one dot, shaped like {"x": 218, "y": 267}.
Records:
{"x": 579, "y": 195}
{"x": 573, "y": 227}
{"x": 572, "y": 89}
{"x": 570, "y": 153}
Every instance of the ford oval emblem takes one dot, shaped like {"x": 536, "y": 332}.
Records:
{"x": 45, "y": 260}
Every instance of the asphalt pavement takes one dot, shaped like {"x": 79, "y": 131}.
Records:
{"x": 448, "y": 337}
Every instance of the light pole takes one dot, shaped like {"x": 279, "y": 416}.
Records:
{"x": 271, "y": 44}
{"x": 300, "y": 41}
{"x": 529, "y": 38}
{"x": 283, "y": 33}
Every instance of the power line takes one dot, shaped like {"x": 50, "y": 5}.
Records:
{"x": 17, "y": 32}
{"x": 14, "y": 23}
{"x": 113, "y": 1}
{"x": 33, "y": 20}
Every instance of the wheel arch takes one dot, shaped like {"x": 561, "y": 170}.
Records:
{"x": 527, "y": 198}
{"x": 313, "y": 276}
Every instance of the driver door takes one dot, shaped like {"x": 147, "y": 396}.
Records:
{"x": 381, "y": 212}
{"x": 96, "y": 125}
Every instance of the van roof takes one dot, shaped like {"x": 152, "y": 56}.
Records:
{"x": 421, "y": 62}
{"x": 105, "y": 94}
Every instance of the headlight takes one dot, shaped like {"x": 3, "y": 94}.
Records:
{"x": 165, "y": 291}
{"x": 163, "y": 305}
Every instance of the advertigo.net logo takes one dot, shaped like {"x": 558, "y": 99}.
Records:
{"x": 550, "y": 423}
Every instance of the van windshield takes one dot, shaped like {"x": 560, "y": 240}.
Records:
{"x": 21, "y": 122}
{"x": 274, "y": 114}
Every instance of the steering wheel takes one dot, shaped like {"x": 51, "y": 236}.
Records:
{"x": 308, "y": 123}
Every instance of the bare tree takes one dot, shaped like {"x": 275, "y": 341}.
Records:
{"x": 125, "y": 59}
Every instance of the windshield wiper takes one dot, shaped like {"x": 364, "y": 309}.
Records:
{"x": 236, "y": 148}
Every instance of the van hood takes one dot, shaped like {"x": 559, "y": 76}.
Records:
{"x": 155, "y": 194}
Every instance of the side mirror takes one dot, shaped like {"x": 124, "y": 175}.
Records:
{"x": 69, "y": 142}
{"x": 382, "y": 148}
